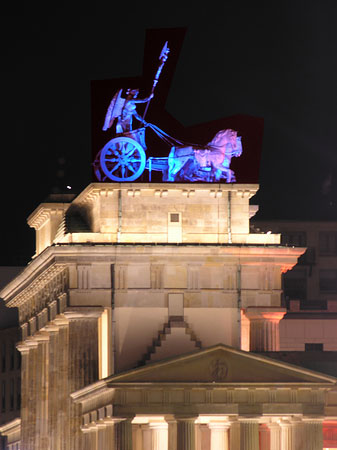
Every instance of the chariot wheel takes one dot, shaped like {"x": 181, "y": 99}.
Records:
{"x": 122, "y": 159}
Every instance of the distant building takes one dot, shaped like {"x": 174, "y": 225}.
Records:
{"x": 310, "y": 288}
{"x": 10, "y": 375}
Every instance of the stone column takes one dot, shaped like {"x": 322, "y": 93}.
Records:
{"x": 249, "y": 435}
{"x": 300, "y": 439}
{"x": 202, "y": 436}
{"x": 83, "y": 334}
{"x": 275, "y": 436}
{"x": 32, "y": 404}
{"x": 264, "y": 433}
{"x": 24, "y": 350}
{"x": 287, "y": 435}
{"x": 53, "y": 374}
{"x": 185, "y": 433}
{"x": 219, "y": 435}
{"x": 234, "y": 435}
{"x": 123, "y": 435}
{"x": 137, "y": 437}
{"x": 101, "y": 435}
{"x": 264, "y": 328}
{"x": 110, "y": 434}
{"x": 61, "y": 386}
{"x": 43, "y": 387}
{"x": 313, "y": 432}
{"x": 93, "y": 436}
{"x": 147, "y": 436}
{"x": 86, "y": 441}
{"x": 172, "y": 433}
{"x": 159, "y": 435}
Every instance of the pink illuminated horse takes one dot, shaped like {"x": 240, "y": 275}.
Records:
{"x": 215, "y": 157}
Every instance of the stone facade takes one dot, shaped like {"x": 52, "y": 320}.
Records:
{"x": 126, "y": 276}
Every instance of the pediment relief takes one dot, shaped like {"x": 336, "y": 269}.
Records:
{"x": 221, "y": 364}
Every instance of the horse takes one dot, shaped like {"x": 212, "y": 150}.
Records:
{"x": 215, "y": 157}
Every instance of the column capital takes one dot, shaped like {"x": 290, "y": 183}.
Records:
{"x": 50, "y": 328}
{"x": 22, "y": 347}
{"x": 270, "y": 313}
{"x": 185, "y": 418}
{"x": 158, "y": 425}
{"x": 61, "y": 320}
{"x": 219, "y": 425}
{"x": 31, "y": 342}
{"x": 41, "y": 336}
{"x": 317, "y": 420}
{"x": 249, "y": 419}
{"x": 83, "y": 312}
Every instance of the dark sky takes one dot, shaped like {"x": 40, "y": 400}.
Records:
{"x": 278, "y": 62}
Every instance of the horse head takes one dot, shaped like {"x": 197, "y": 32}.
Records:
{"x": 237, "y": 150}
{"x": 224, "y": 137}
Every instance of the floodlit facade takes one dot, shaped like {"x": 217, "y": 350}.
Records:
{"x": 142, "y": 316}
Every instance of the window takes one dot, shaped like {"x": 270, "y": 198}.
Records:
{"x": 327, "y": 243}
{"x": 3, "y": 357}
{"x": 3, "y": 396}
{"x": 11, "y": 394}
{"x": 174, "y": 217}
{"x": 295, "y": 284}
{"x": 18, "y": 393}
{"x": 313, "y": 347}
{"x": 328, "y": 280}
{"x": 12, "y": 355}
{"x": 295, "y": 238}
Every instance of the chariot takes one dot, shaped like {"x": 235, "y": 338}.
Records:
{"x": 123, "y": 158}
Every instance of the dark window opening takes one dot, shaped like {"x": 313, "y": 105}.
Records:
{"x": 3, "y": 396}
{"x": 327, "y": 243}
{"x": 18, "y": 393}
{"x": 11, "y": 394}
{"x": 3, "y": 357}
{"x": 294, "y": 238}
{"x": 12, "y": 355}
{"x": 174, "y": 217}
{"x": 328, "y": 280}
{"x": 313, "y": 347}
{"x": 295, "y": 284}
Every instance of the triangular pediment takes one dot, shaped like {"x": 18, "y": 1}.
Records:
{"x": 221, "y": 364}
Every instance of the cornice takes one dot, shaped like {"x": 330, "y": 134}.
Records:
{"x": 36, "y": 285}
{"x": 94, "y": 190}
{"x": 44, "y": 212}
{"x": 10, "y": 427}
{"x": 57, "y": 257}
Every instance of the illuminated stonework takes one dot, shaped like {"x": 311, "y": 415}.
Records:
{"x": 126, "y": 276}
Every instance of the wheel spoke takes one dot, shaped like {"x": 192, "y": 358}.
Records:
{"x": 131, "y": 168}
{"x": 129, "y": 152}
{"x": 123, "y": 171}
{"x": 111, "y": 160}
{"x": 114, "y": 151}
{"x": 115, "y": 168}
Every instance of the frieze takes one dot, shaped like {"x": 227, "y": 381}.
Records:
{"x": 42, "y": 292}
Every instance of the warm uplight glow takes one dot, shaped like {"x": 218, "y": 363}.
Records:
{"x": 104, "y": 345}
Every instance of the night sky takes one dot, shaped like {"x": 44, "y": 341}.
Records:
{"x": 276, "y": 62}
